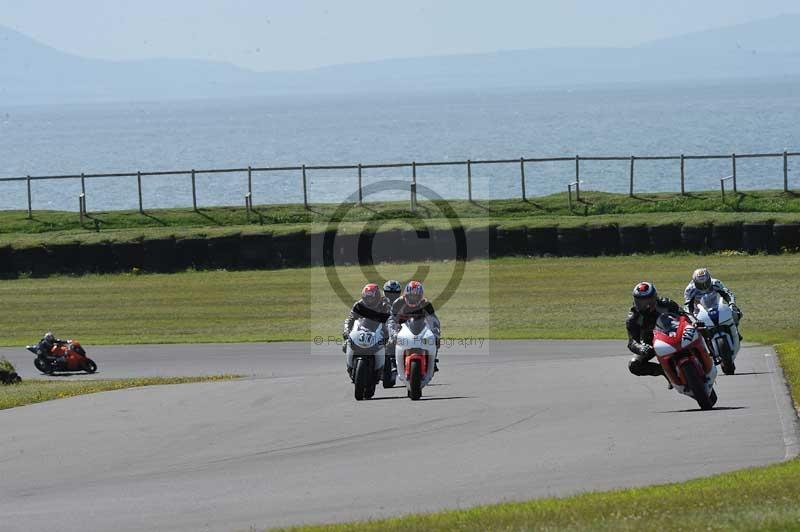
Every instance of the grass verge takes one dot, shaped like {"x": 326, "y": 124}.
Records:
{"x": 36, "y": 391}
{"x": 595, "y": 208}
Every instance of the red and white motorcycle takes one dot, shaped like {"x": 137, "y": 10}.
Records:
{"x": 684, "y": 356}
{"x": 415, "y": 353}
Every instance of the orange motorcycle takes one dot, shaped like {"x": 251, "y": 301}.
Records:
{"x": 70, "y": 356}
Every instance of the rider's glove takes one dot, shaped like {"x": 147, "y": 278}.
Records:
{"x": 736, "y": 309}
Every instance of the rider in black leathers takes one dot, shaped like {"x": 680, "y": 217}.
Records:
{"x": 372, "y": 305}
{"x": 45, "y": 347}
{"x": 646, "y": 309}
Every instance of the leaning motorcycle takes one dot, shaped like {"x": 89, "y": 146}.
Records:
{"x": 71, "y": 355}
{"x": 720, "y": 331}
{"x": 365, "y": 356}
{"x": 415, "y": 353}
{"x": 682, "y": 353}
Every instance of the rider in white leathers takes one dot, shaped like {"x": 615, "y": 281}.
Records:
{"x": 702, "y": 283}
{"x": 414, "y": 305}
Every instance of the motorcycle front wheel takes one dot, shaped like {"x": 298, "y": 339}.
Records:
{"x": 361, "y": 379}
{"x": 695, "y": 382}
{"x": 726, "y": 357}
{"x": 415, "y": 381}
{"x": 89, "y": 366}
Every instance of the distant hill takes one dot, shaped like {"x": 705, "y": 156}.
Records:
{"x": 35, "y": 73}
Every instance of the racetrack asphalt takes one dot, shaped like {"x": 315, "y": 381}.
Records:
{"x": 510, "y": 420}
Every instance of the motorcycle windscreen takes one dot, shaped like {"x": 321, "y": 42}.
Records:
{"x": 368, "y": 324}
{"x": 667, "y": 323}
{"x": 710, "y": 300}
{"x": 416, "y": 325}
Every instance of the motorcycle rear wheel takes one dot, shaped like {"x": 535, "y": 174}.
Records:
{"x": 696, "y": 383}
{"x": 415, "y": 381}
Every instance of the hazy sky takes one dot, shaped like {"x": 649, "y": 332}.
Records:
{"x": 268, "y": 35}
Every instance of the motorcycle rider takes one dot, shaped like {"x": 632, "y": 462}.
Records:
{"x": 392, "y": 290}
{"x": 701, "y": 284}
{"x": 45, "y": 347}
{"x": 414, "y": 305}
{"x": 641, "y": 321}
{"x": 372, "y": 305}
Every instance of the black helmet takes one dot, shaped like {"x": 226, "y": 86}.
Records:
{"x": 645, "y": 296}
{"x": 392, "y": 289}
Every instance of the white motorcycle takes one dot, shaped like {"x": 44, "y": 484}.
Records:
{"x": 415, "y": 352}
{"x": 720, "y": 331}
{"x": 366, "y": 354}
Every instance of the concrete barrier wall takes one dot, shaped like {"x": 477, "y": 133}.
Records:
{"x": 301, "y": 249}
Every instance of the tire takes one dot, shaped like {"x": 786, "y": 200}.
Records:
{"x": 39, "y": 364}
{"x": 415, "y": 381}
{"x": 389, "y": 379}
{"x": 696, "y": 383}
{"x": 726, "y": 358}
{"x": 89, "y": 366}
{"x": 713, "y": 397}
{"x": 361, "y": 380}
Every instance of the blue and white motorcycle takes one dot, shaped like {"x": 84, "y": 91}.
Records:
{"x": 366, "y": 354}
{"x": 720, "y": 330}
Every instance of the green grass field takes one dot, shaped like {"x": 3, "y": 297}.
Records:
{"x": 505, "y": 298}
{"x": 595, "y": 208}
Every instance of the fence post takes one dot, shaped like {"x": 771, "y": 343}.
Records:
{"x": 785, "y": 171}
{"x": 683, "y": 187}
{"x": 522, "y": 177}
{"x": 250, "y": 183}
{"x": 83, "y": 189}
{"x": 194, "y": 191}
{"x": 630, "y": 193}
{"x": 82, "y": 205}
{"x": 733, "y": 164}
{"x": 469, "y": 180}
{"x": 30, "y": 210}
{"x": 305, "y": 188}
{"x": 360, "y": 191}
{"x": 139, "y": 185}
{"x": 577, "y": 178}
{"x": 414, "y": 185}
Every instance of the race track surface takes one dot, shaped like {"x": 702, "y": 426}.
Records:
{"x": 289, "y": 445}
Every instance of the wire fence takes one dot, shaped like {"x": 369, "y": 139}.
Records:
{"x": 359, "y": 171}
